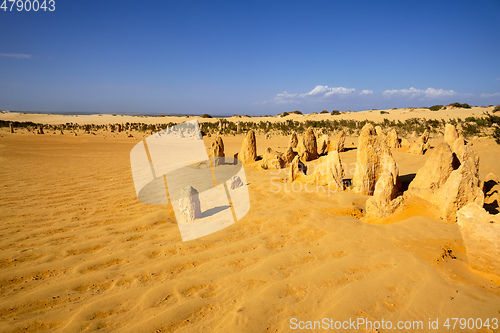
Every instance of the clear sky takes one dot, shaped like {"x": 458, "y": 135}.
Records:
{"x": 249, "y": 57}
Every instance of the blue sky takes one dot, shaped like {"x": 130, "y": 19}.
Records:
{"x": 249, "y": 57}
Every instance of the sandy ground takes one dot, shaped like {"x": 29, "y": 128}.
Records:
{"x": 373, "y": 115}
{"x": 79, "y": 252}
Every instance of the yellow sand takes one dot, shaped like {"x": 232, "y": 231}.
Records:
{"x": 373, "y": 115}
{"x": 79, "y": 252}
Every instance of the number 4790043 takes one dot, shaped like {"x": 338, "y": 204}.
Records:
{"x": 28, "y": 5}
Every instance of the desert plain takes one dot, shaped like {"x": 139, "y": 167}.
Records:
{"x": 80, "y": 253}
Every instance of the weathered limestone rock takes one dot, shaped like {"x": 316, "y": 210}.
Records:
{"x": 436, "y": 169}
{"x": 461, "y": 188}
{"x": 189, "y": 204}
{"x": 248, "y": 152}
{"x": 450, "y": 134}
{"x": 323, "y": 143}
{"x": 384, "y": 201}
{"x": 338, "y": 143}
{"x": 392, "y": 140}
{"x": 235, "y": 182}
{"x": 481, "y": 234}
{"x": 329, "y": 171}
{"x": 40, "y": 130}
{"x": 11, "y": 127}
{"x": 308, "y": 147}
{"x": 272, "y": 160}
{"x": 217, "y": 151}
{"x": 491, "y": 190}
{"x": 288, "y": 155}
{"x": 405, "y": 143}
{"x": 61, "y": 132}
{"x": 373, "y": 158}
{"x": 380, "y": 132}
{"x": 449, "y": 181}
{"x": 465, "y": 152}
{"x": 119, "y": 128}
{"x": 293, "y": 140}
{"x": 460, "y": 141}
{"x": 297, "y": 169}
{"x": 420, "y": 146}
{"x": 238, "y": 127}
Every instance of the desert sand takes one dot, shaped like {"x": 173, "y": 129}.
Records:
{"x": 372, "y": 115}
{"x": 80, "y": 252}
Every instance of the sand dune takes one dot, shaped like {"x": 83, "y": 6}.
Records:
{"x": 79, "y": 252}
{"x": 372, "y": 115}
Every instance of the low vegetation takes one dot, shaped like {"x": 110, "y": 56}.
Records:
{"x": 487, "y": 125}
{"x": 436, "y": 107}
{"x": 458, "y": 105}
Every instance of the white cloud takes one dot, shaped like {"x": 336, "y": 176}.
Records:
{"x": 318, "y": 92}
{"x": 413, "y": 92}
{"x": 366, "y": 92}
{"x": 16, "y": 55}
{"x": 491, "y": 95}
{"x": 326, "y": 91}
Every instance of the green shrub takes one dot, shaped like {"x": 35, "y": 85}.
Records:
{"x": 436, "y": 107}
{"x": 324, "y": 111}
{"x": 384, "y": 112}
{"x": 297, "y": 112}
{"x": 458, "y": 105}
{"x": 497, "y": 108}
{"x": 335, "y": 112}
{"x": 496, "y": 135}
{"x": 469, "y": 130}
{"x": 206, "y": 115}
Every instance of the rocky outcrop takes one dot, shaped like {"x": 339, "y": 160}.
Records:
{"x": 323, "y": 143}
{"x": 449, "y": 181}
{"x": 189, "y": 205}
{"x": 450, "y": 134}
{"x": 373, "y": 158}
{"x": 307, "y": 146}
{"x": 272, "y": 160}
{"x": 384, "y": 201}
{"x": 481, "y": 235}
{"x": 329, "y": 171}
{"x": 461, "y": 188}
{"x": 248, "y": 152}
{"x": 380, "y": 132}
{"x": 491, "y": 190}
{"x": 338, "y": 142}
{"x": 392, "y": 140}
{"x": 293, "y": 140}
{"x": 11, "y": 128}
{"x": 420, "y": 146}
{"x": 436, "y": 169}
{"x": 217, "y": 151}
{"x": 405, "y": 143}
{"x": 288, "y": 155}
{"x": 297, "y": 169}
